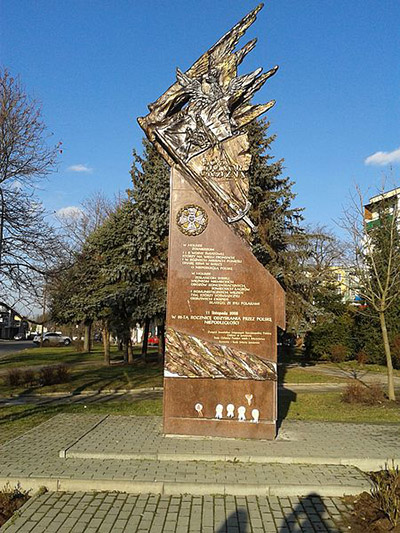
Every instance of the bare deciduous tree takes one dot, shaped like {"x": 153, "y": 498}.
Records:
{"x": 315, "y": 254}
{"x": 376, "y": 257}
{"x": 24, "y": 153}
{"x": 323, "y": 252}
{"x": 79, "y": 222}
{"x": 29, "y": 247}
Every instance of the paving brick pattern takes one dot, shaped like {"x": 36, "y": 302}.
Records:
{"x": 77, "y": 512}
{"x": 34, "y": 457}
{"x": 337, "y": 443}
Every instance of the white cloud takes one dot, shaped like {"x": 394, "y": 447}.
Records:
{"x": 80, "y": 168}
{"x": 383, "y": 158}
{"x": 69, "y": 212}
{"x": 16, "y": 185}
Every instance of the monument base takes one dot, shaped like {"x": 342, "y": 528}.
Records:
{"x": 220, "y": 428}
{"x": 182, "y": 395}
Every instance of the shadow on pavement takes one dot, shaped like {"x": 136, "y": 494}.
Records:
{"x": 236, "y": 521}
{"x": 285, "y": 398}
{"x": 310, "y": 514}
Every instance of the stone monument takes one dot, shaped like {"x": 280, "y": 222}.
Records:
{"x": 223, "y": 307}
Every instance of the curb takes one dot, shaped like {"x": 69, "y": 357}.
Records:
{"x": 104, "y": 392}
{"x": 363, "y": 464}
{"x": 171, "y": 488}
{"x": 63, "y": 453}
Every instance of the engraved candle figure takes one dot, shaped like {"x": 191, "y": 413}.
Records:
{"x": 230, "y": 410}
{"x": 218, "y": 411}
{"x": 199, "y": 408}
{"x": 256, "y": 415}
{"x": 249, "y": 398}
{"x": 241, "y": 413}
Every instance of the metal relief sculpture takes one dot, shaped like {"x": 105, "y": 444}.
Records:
{"x": 192, "y": 220}
{"x": 223, "y": 306}
{"x": 208, "y": 360}
{"x": 197, "y": 124}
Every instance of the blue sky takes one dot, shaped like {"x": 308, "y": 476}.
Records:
{"x": 96, "y": 64}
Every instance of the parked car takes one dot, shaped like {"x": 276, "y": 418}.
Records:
{"x": 27, "y": 336}
{"x": 53, "y": 339}
{"x": 153, "y": 341}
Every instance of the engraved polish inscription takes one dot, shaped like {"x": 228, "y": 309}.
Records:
{"x": 229, "y": 309}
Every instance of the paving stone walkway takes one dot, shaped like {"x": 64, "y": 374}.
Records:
{"x": 367, "y": 446}
{"x": 33, "y": 460}
{"x": 186, "y": 485}
{"x": 110, "y": 512}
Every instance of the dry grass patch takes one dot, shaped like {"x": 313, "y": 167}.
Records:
{"x": 11, "y": 499}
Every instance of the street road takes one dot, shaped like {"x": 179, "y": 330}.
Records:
{"x": 7, "y": 347}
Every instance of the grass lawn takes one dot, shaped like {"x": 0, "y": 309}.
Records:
{"x": 305, "y": 406}
{"x": 355, "y": 366}
{"x": 36, "y": 356}
{"x": 50, "y": 355}
{"x": 298, "y": 375}
{"x": 87, "y": 371}
{"x": 328, "y": 407}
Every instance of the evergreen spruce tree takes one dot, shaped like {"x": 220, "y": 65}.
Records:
{"x": 120, "y": 275}
{"x": 278, "y": 240}
{"x": 369, "y": 335}
{"x": 150, "y": 178}
{"x": 73, "y": 293}
{"x": 120, "y": 292}
{"x": 332, "y": 334}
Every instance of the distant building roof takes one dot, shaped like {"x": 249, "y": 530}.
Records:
{"x": 384, "y": 196}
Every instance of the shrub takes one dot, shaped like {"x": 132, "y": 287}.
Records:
{"x": 357, "y": 392}
{"x": 378, "y": 510}
{"x": 375, "y": 394}
{"x": 62, "y": 373}
{"x": 338, "y": 353}
{"x": 47, "y": 375}
{"x": 362, "y": 357}
{"x": 13, "y": 377}
{"x": 386, "y": 492}
{"x": 51, "y": 375}
{"x": 353, "y": 393}
{"x": 28, "y": 377}
{"x": 10, "y": 501}
{"x": 327, "y": 333}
